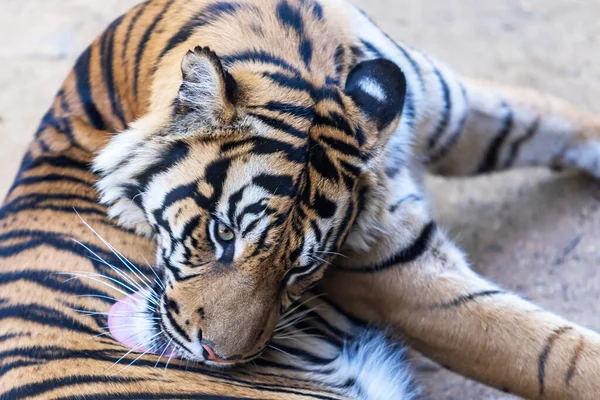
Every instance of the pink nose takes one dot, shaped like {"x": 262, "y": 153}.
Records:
{"x": 213, "y": 357}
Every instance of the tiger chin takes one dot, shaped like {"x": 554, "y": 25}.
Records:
{"x": 246, "y": 217}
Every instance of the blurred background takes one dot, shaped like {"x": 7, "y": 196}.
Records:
{"x": 532, "y": 231}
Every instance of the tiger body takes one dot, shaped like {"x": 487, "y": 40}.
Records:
{"x": 292, "y": 65}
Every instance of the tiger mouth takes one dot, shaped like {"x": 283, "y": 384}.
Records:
{"x": 136, "y": 323}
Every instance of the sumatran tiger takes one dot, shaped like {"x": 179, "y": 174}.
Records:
{"x": 253, "y": 150}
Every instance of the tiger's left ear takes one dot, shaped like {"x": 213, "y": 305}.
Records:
{"x": 378, "y": 88}
{"x": 207, "y": 89}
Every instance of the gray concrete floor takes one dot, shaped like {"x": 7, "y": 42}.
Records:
{"x": 532, "y": 231}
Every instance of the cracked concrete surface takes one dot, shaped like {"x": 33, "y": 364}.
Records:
{"x": 532, "y": 231}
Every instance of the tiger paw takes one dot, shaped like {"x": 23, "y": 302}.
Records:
{"x": 582, "y": 154}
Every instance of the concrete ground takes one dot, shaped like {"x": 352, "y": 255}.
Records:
{"x": 531, "y": 231}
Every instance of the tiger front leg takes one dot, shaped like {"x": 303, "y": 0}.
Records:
{"x": 427, "y": 293}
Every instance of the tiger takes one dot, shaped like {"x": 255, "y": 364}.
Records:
{"x": 270, "y": 155}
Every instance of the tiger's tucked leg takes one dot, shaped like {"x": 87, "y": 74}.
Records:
{"x": 507, "y": 127}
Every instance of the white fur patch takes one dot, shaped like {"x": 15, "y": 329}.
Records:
{"x": 374, "y": 368}
{"x": 373, "y": 89}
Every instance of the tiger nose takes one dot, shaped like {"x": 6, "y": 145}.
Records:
{"x": 212, "y": 356}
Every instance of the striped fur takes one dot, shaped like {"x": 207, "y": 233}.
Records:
{"x": 286, "y": 124}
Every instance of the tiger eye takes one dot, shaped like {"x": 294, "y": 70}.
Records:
{"x": 225, "y": 233}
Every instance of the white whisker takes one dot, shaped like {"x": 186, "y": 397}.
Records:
{"x": 141, "y": 344}
{"x": 284, "y": 352}
{"x": 157, "y": 280}
{"x": 332, "y": 253}
{"x": 301, "y": 304}
{"x": 121, "y": 258}
{"x": 99, "y": 296}
{"x": 170, "y": 357}
{"x": 76, "y": 276}
{"x": 163, "y": 352}
{"x": 117, "y": 270}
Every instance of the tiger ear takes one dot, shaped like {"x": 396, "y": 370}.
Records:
{"x": 207, "y": 89}
{"x": 378, "y": 88}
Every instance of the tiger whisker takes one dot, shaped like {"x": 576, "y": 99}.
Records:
{"x": 120, "y": 291}
{"x": 100, "y": 296}
{"x": 85, "y": 312}
{"x": 332, "y": 253}
{"x": 76, "y": 276}
{"x": 133, "y": 362}
{"x": 170, "y": 357}
{"x": 121, "y": 258}
{"x": 297, "y": 336}
{"x": 157, "y": 280}
{"x": 163, "y": 352}
{"x": 119, "y": 328}
{"x": 292, "y": 323}
{"x": 313, "y": 257}
{"x": 141, "y": 344}
{"x": 300, "y": 305}
{"x": 117, "y": 270}
{"x": 92, "y": 276}
{"x": 284, "y": 352}
{"x": 295, "y": 318}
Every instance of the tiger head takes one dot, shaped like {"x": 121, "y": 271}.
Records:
{"x": 249, "y": 183}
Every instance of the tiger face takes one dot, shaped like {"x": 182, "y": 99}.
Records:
{"x": 249, "y": 183}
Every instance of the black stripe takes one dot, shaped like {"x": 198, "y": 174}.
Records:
{"x": 322, "y": 163}
{"x": 342, "y": 147}
{"x": 374, "y": 50}
{"x": 171, "y": 156}
{"x": 44, "y": 316}
{"x": 280, "y": 125}
{"x": 144, "y": 41}
{"x": 276, "y": 185}
{"x": 294, "y": 110}
{"x": 573, "y": 363}
{"x": 208, "y": 15}
{"x": 39, "y": 388}
{"x": 84, "y": 89}
{"x": 233, "y": 202}
{"x": 106, "y": 61}
{"x": 47, "y": 278}
{"x": 445, "y": 148}
{"x": 335, "y": 121}
{"x": 338, "y": 59}
{"x": 446, "y": 110}
{"x": 515, "y": 148}
{"x": 466, "y": 298}
{"x": 134, "y": 19}
{"x": 491, "y": 155}
{"x": 543, "y": 358}
{"x": 258, "y": 56}
{"x": 32, "y": 180}
{"x": 296, "y": 82}
{"x": 177, "y": 328}
{"x": 406, "y": 255}
{"x": 290, "y": 17}
{"x": 306, "y": 52}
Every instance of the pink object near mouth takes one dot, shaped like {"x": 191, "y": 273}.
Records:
{"x": 130, "y": 324}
